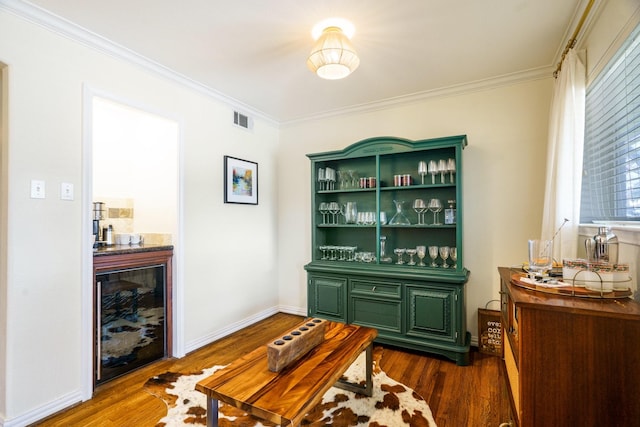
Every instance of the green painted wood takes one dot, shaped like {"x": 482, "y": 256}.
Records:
{"x": 415, "y": 307}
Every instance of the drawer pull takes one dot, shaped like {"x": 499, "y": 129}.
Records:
{"x": 373, "y": 289}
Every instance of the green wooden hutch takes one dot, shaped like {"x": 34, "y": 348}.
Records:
{"x": 354, "y": 275}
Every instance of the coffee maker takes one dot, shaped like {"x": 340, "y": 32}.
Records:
{"x": 98, "y": 215}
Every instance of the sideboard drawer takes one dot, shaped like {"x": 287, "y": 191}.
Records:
{"x": 374, "y": 287}
{"x": 382, "y": 314}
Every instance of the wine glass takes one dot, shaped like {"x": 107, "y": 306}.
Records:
{"x": 399, "y": 252}
{"x": 451, "y": 168}
{"x": 324, "y": 210}
{"x": 411, "y": 252}
{"x": 433, "y": 254}
{"x": 422, "y": 169}
{"x": 354, "y": 178}
{"x": 422, "y": 252}
{"x": 419, "y": 206}
{"x": 321, "y": 178}
{"x": 433, "y": 170}
{"x": 444, "y": 254}
{"x": 442, "y": 168}
{"x": 334, "y": 208}
{"x": 453, "y": 253}
{"x": 435, "y": 206}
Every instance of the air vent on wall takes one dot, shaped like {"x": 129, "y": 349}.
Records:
{"x": 241, "y": 120}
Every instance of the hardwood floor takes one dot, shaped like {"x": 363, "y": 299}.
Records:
{"x": 458, "y": 395}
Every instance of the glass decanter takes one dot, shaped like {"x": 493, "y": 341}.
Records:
{"x": 399, "y": 218}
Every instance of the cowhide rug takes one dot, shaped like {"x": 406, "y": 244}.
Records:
{"x": 392, "y": 404}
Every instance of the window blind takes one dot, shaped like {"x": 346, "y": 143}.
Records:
{"x": 611, "y": 164}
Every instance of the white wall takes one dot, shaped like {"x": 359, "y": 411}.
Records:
{"x": 135, "y": 156}
{"x": 228, "y": 270}
{"x": 503, "y": 177}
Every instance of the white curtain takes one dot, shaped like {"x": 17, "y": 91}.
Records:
{"x": 564, "y": 159}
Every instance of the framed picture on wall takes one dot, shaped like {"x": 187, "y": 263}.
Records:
{"x": 240, "y": 181}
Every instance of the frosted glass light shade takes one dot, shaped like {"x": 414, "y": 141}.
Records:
{"x": 333, "y": 56}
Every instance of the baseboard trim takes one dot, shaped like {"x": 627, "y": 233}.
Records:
{"x": 235, "y": 327}
{"x": 37, "y": 414}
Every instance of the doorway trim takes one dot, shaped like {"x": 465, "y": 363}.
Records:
{"x": 177, "y": 350}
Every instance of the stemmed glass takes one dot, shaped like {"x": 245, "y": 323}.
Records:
{"x": 433, "y": 254}
{"x": 324, "y": 210}
{"x": 334, "y": 208}
{"x": 411, "y": 253}
{"x": 435, "y": 206}
{"x": 354, "y": 178}
{"x": 433, "y": 170}
{"x": 442, "y": 168}
{"x": 321, "y": 179}
{"x": 422, "y": 169}
{"x": 444, "y": 254}
{"x": 451, "y": 168}
{"x": 420, "y": 207}
{"x": 399, "y": 252}
{"x": 453, "y": 253}
{"x": 421, "y": 251}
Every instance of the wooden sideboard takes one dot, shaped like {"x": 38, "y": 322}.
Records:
{"x": 570, "y": 361}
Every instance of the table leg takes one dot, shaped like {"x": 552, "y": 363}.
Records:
{"x": 212, "y": 412}
{"x": 367, "y": 389}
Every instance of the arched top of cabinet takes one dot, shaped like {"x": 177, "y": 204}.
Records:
{"x": 390, "y": 145}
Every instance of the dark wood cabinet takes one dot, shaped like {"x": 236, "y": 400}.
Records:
{"x": 570, "y": 361}
{"x": 132, "y": 308}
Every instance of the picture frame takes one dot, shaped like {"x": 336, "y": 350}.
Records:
{"x": 240, "y": 181}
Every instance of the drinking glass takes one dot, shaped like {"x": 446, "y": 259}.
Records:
{"x": 420, "y": 207}
{"x": 442, "y": 168}
{"x": 433, "y": 254}
{"x": 435, "y": 206}
{"x": 324, "y": 210}
{"x": 411, "y": 253}
{"x": 399, "y": 252}
{"x": 453, "y": 253}
{"x": 451, "y": 168}
{"x": 433, "y": 170}
{"x": 540, "y": 256}
{"x": 422, "y": 169}
{"x": 354, "y": 179}
{"x": 422, "y": 252}
{"x": 321, "y": 179}
{"x": 330, "y": 177}
{"x": 334, "y": 208}
{"x": 444, "y": 254}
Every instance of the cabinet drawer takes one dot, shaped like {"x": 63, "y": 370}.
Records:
{"x": 381, "y": 314}
{"x": 376, "y": 288}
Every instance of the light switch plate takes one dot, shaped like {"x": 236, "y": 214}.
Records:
{"x": 66, "y": 191}
{"x": 37, "y": 189}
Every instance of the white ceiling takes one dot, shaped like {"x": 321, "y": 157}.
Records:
{"x": 254, "y": 51}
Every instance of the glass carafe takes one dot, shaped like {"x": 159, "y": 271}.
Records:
{"x": 399, "y": 218}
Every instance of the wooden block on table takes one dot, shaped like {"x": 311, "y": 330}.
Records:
{"x": 292, "y": 346}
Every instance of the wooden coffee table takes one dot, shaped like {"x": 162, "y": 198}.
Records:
{"x": 285, "y": 397}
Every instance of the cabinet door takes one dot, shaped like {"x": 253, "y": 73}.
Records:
{"x": 327, "y": 297}
{"x": 431, "y": 313}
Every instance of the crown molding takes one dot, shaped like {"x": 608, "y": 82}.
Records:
{"x": 72, "y": 31}
{"x": 448, "y": 91}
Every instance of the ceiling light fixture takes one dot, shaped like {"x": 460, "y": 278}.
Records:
{"x": 333, "y": 56}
